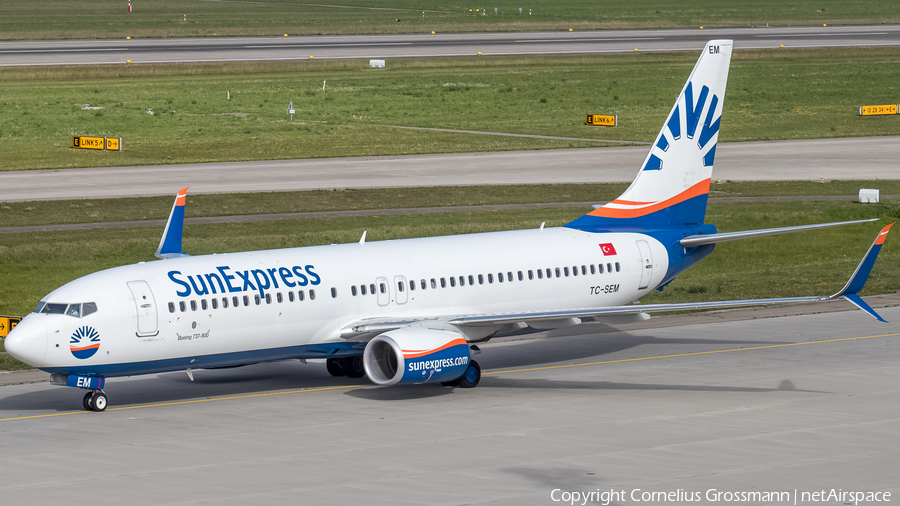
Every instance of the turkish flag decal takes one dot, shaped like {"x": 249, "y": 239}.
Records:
{"x": 608, "y": 249}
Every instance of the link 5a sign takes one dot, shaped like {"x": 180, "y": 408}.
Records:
{"x": 602, "y": 120}
{"x": 109, "y": 143}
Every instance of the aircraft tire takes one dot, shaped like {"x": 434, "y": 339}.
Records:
{"x": 471, "y": 377}
{"x": 454, "y": 383}
{"x": 335, "y": 367}
{"x": 86, "y": 401}
{"x": 354, "y": 366}
{"x": 99, "y": 401}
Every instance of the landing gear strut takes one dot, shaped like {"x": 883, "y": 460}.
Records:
{"x": 95, "y": 400}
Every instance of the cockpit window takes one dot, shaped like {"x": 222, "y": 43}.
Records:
{"x": 74, "y": 310}
{"x": 39, "y": 307}
{"x": 54, "y": 308}
{"x": 88, "y": 308}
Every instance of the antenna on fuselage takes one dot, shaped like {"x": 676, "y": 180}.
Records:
{"x": 362, "y": 240}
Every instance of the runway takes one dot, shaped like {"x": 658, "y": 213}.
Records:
{"x": 860, "y": 158}
{"x": 794, "y": 404}
{"x": 362, "y": 47}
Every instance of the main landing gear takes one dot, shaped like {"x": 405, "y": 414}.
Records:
{"x": 469, "y": 379}
{"x": 351, "y": 367}
{"x": 95, "y": 400}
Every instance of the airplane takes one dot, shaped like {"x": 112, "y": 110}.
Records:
{"x": 406, "y": 311}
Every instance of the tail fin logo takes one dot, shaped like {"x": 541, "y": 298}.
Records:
{"x": 690, "y": 120}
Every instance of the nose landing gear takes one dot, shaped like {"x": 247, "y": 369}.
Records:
{"x": 95, "y": 400}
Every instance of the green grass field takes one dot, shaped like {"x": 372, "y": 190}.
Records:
{"x": 103, "y": 19}
{"x": 771, "y": 95}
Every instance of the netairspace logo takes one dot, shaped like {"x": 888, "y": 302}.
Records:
{"x": 716, "y": 496}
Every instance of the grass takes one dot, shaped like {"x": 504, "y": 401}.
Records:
{"x": 54, "y": 212}
{"x": 773, "y": 94}
{"x": 33, "y": 264}
{"x": 102, "y": 19}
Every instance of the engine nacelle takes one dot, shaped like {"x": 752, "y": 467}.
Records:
{"x": 416, "y": 355}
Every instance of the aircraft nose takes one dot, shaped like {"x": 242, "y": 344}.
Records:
{"x": 28, "y": 341}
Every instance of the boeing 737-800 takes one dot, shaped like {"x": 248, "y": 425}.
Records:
{"x": 403, "y": 311}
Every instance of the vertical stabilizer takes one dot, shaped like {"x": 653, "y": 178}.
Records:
{"x": 170, "y": 244}
{"x": 672, "y": 186}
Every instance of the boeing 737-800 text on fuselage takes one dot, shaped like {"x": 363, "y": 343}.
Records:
{"x": 404, "y": 311}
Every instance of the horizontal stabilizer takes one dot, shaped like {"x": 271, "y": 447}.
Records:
{"x": 699, "y": 240}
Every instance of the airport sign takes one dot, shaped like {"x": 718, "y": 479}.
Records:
{"x": 114, "y": 143}
{"x": 108, "y": 143}
{"x": 8, "y": 323}
{"x": 877, "y": 110}
{"x": 602, "y": 120}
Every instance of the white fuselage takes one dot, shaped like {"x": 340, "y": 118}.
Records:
{"x": 151, "y": 318}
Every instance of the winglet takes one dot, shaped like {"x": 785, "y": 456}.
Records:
{"x": 861, "y": 274}
{"x": 170, "y": 244}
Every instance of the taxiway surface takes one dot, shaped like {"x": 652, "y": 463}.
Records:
{"x": 801, "y": 403}
{"x": 861, "y": 158}
{"x": 360, "y": 47}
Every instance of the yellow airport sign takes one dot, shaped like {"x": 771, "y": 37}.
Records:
{"x": 8, "y": 323}
{"x": 79, "y": 141}
{"x": 877, "y": 110}
{"x": 109, "y": 143}
{"x": 602, "y": 120}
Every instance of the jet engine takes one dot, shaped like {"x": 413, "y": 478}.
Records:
{"x": 416, "y": 355}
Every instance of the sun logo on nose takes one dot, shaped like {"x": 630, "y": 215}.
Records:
{"x": 84, "y": 343}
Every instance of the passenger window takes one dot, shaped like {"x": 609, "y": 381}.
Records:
{"x": 203, "y": 304}
{"x": 279, "y": 297}
{"x": 574, "y": 270}
{"x": 268, "y": 298}
{"x": 557, "y": 272}
{"x": 312, "y": 294}
{"x": 433, "y": 284}
{"x": 443, "y": 283}
{"x": 225, "y": 302}
{"x": 608, "y": 267}
{"x": 400, "y": 287}
{"x": 54, "y": 309}
{"x": 617, "y": 266}
{"x": 291, "y": 296}
{"x": 333, "y": 292}
{"x": 565, "y": 270}
{"x": 74, "y": 310}
{"x": 540, "y": 274}
{"x": 234, "y": 301}
{"x": 490, "y": 278}
{"x": 584, "y": 270}
{"x": 462, "y": 281}
{"x": 247, "y": 300}
{"x": 509, "y": 276}
{"x": 592, "y": 269}
{"x": 257, "y": 299}
{"x": 452, "y": 281}
{"x": 422, "y": 283}
{"x": 171, "y": 307}
{"x": 193, "y": 305}
{"x": 412, "y": 285}
{"x": 521, "y": 276}
{"x": 381, "y": 287}
{"x": 471, "y": 280}
{"x": 353, "y": 290}
{"x": 530, "y": 274}
{"x": 549, "y": 273}
{"x": 300, "y": 295}
{"x": 601, "y": 268}
{"x": 481, "y": 279}
{"x": 215, "y": 303}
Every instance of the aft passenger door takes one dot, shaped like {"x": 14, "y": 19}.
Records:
{"x": 145, "y": 305}
{"x": 646, "y": 264}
